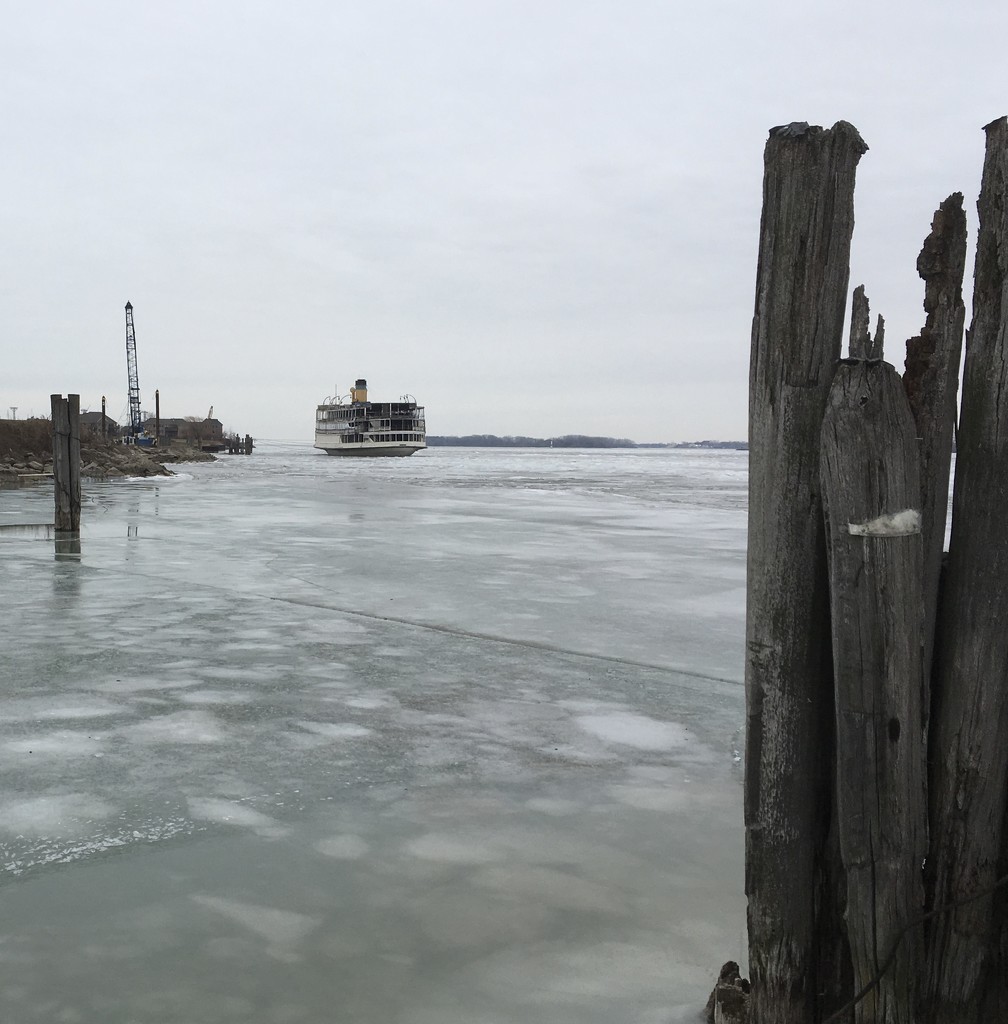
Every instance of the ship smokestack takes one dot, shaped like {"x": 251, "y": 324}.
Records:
{"x": 358, "y": 393}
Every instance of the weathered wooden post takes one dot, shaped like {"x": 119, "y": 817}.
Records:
{"x": 969, "y": 765}
{"x": 157, "y": 416}
{"x": 104, "y": 427}
{"x": 931, "y": 380}
{"x": 248, "y": 444}
{"x": 66, "y": 461}
{"x": 801, "y": 295}
{"x": 871, "y": 494}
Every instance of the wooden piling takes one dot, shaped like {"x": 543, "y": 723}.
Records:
{"x": 871, "y": 495}
{"x": 66, "y": 461}
{"x": 931, "y": 380}
{"x": 969, "y": 777}
{"x": 801, "y": 293}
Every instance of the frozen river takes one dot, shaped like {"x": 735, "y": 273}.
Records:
{"x": 452, "y": 739}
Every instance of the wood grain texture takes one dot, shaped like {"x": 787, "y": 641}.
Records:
{"x": 74, "y": 460}
{"x": 66, "y": 462}
{"x": 801, "y": 293}
{"x": 969, "y": 775}
{"x": 931, "y": 379}
{"x": 861, "y": 344}
{"x": 871, "y": 493}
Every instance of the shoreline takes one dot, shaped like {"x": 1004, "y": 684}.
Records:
{"x": 26, "y": 455}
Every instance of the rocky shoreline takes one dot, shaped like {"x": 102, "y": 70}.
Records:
{"x": 26, "y": 455}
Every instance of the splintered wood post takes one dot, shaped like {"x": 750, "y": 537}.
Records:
{"x": 871, "y": 494}
{"x": 66, "y": 461}
{"x": 969, "y": 776}
{"x": 801, "y": 294}
{"x": 861, "y": 344}
{"x": 860, "y": 340}
{"x": 931, "y": 379}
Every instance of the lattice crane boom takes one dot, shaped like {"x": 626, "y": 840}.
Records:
{"x": 136, "y": 426}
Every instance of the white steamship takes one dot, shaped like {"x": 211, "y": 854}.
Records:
{"x": 351, "y": 425}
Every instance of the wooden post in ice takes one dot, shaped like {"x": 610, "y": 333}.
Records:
{"x": 66, "y": 462}
{"x": 801, "y": 295}
{"x": 871, "y": 496}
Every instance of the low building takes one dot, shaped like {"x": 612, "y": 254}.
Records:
{"x": 92, "y": 421}
{"x": 186, "y": 428}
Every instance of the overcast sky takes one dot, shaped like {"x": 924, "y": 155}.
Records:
{"x": 537, "y": 217}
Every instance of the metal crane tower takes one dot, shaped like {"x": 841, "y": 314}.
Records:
{"x": 136, "y": 427}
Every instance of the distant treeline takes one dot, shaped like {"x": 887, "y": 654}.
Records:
{"x": 567, "y": 441}
{"x": 740, "y": 446}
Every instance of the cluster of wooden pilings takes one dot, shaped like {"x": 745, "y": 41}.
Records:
{"x": 876, "y": 789}
{"x": 240, "y": 445}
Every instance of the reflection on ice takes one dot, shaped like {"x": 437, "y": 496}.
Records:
{"x": 453, "y": 849}
{"x": 278, "y": 927}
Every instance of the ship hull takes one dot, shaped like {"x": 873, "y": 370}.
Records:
{"x": 371, "y": 451}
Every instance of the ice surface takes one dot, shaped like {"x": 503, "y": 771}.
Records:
{"x": 55, "y": 815}
{"x": 226, "y": 812}
{"x": 447, "y": 739}
{"x": 454, "y": 849}
{"x": 179, "y": 727}
{"x": 635, "y": 731}
{"x": 336, "y": 730}
{"x": 347, "y": 847}
{"x": 277, "y": 926}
